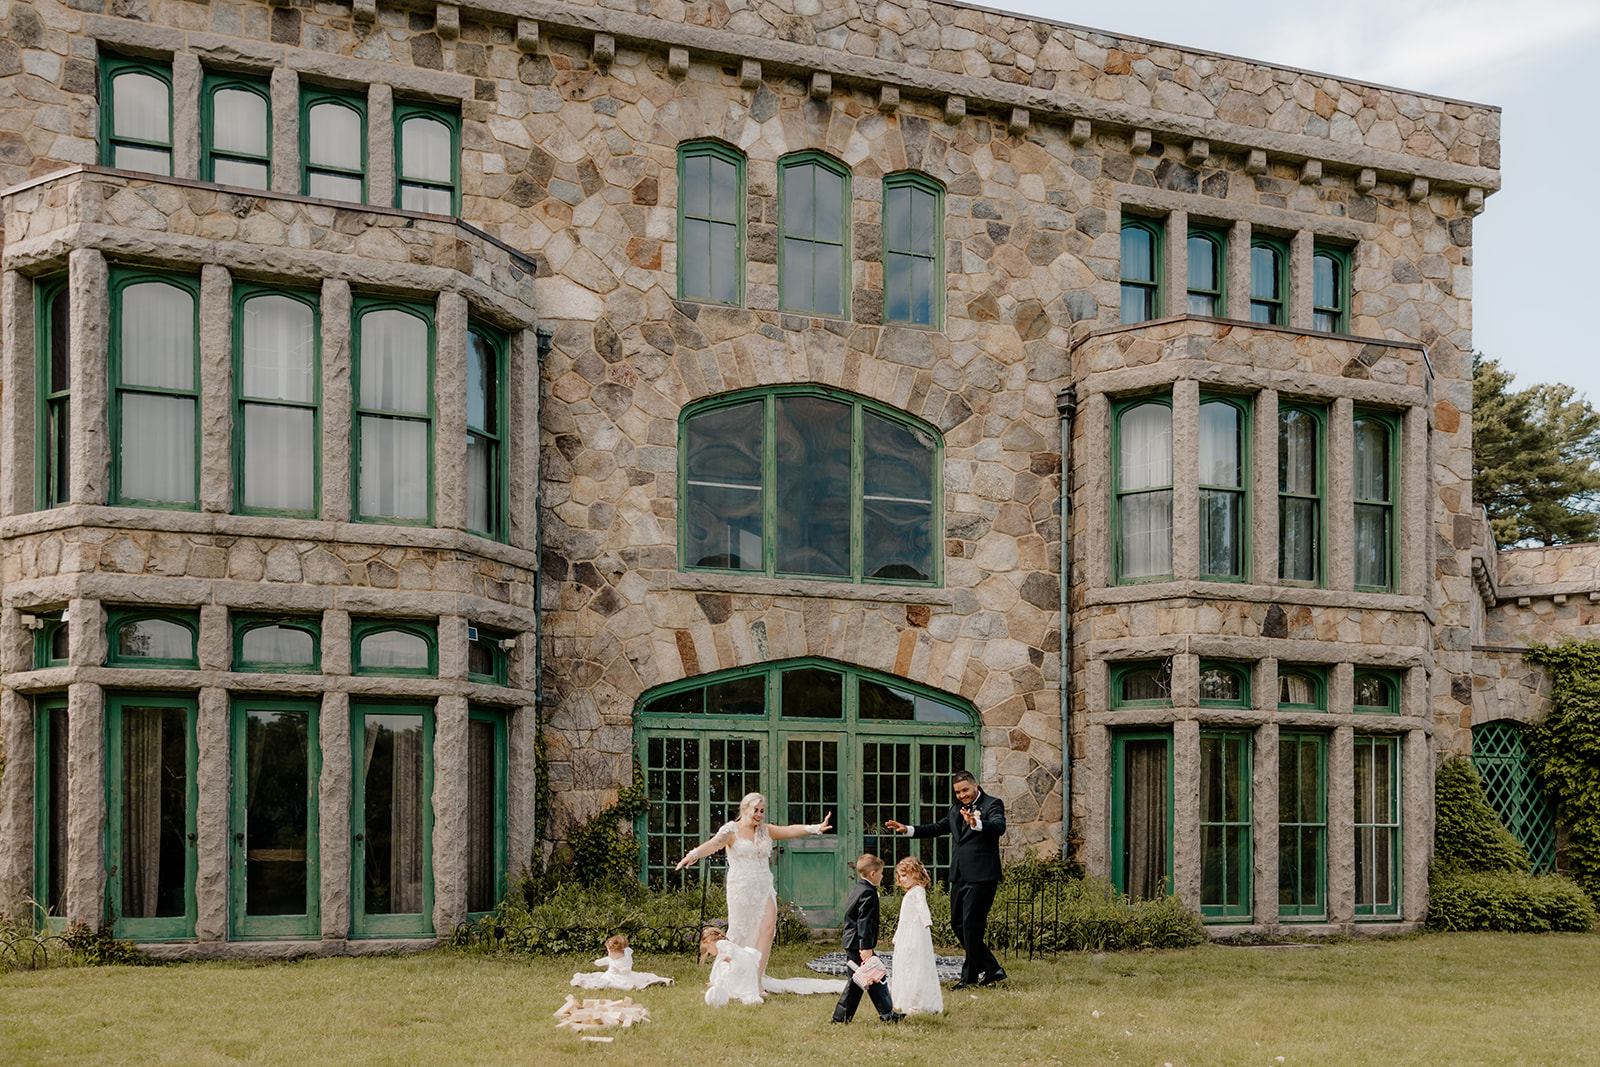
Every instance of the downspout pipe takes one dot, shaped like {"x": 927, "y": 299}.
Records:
{"x": 543, "y": 339}
{"x": 1066, "y": 409}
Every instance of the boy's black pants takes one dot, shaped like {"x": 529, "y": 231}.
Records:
{"x": 850, "y": 999}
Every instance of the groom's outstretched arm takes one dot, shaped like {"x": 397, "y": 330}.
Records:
{"x": 927, "y": 829}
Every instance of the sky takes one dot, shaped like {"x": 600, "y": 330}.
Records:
{"x": 1528, "y": 57}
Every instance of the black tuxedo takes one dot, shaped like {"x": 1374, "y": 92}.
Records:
{"x": 974, "y": 877}
{"x": 861, "y": 931}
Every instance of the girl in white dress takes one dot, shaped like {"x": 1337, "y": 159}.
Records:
{"x": 752, "y": 898}
{"x": 913, "y": 981}
{"x": 619, "y": 972}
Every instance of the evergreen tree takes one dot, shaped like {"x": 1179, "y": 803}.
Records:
{"x": 1534, "y": 459}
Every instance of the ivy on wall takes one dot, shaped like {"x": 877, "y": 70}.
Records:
{"x": 1565, "y": 750}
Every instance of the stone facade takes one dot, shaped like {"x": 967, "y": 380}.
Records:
{"x": 1043, "y": 138}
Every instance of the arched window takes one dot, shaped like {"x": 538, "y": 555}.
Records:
{"x": 427, "y": 151}
{"x": 1141, "y": 270}
{"x": 53, "y": 340}
{"x": 817, "y": 737}
{"x": 408, "y": 649}
{"x": 1207, "y": 273}
{"x": 488, "y": 656}
{"x": 1224, "y": 497}
{"x": 1142, "y": 684}
{"x": 1377, "y": 693}
{"x": 155, "y": 356}
{"x": 277, "y": 381}
{"x": 808, "y": 481}
{"x": 1302, "y": 688}
{"x": 142, "y": 638}
{"x": 136, "y": 114}
{"x": 1143, "y": 489}
{"x": 1301, "y": 482}
{"x": 279, "y": 646}
{"x": 1224, "y": 685}
{"x": 1269, "y": 281}
{"x": 1376, "y": 474}
{"x": 913, "y": 250}
{"x": 813, "y": 235}
{"x": 236, "y": 131}
{"x": 393, "y": 465}
{"x": 711, "y": 223}
{"x": 333, "y": 145}
{"x": 487, "y": 474}
{"x": 1330, "y": 290}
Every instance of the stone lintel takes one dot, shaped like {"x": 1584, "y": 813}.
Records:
{"x": 1256, "y": 163}
{"x": 677, "y": 62}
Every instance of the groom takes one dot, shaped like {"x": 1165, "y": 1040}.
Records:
{"x": 976, "y": 822}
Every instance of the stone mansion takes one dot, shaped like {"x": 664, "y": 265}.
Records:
{"x": 408, "y": 405}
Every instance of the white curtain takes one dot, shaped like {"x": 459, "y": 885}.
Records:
{"x": 425, "y": 151}
{"x": 1145, "y": 477}
{"x": 334, "y": 137}
{"x": 140, "y": 106}
{"x": 157, "y": 346}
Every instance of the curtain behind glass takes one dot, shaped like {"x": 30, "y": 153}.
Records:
{"x": 1326, "y": 298}
{"x": 239, "y": 122}
{"x": 1374, "y": 814}
{"x": 1372, "y": 493}
{"x": 56, "y": 816}
{"x": 1266, "y": 294}
{"x": 1296, "y": 689}
{"x": 1221, "y": 469}
{"x": 277, "y": 644}
{"x": 406, "y": 822}
{"x": 1144, "y": 490}
{"x": 1144, "y": 812}
{"x": 1299, "y": 484}
{"x": 481, "y": 888}
{"x": 813, "y": 471}
{"x": 157, "y": 350}
{"x": 334, "y": 138}
{"x": 1138, "y": 266}
{"x": 278, "y": 363}
{"x": 154, "y": 639}
{"x": 393, "y": 648}
{"x": 154, "y": 812}
{"x": 1302, "y": 822}
{"x": 425, "y": 153}
{"x": 483, "y": 426}
{"x": 1203, "y": 275}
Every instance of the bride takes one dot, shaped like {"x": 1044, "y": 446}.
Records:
{"x": 752, "y": 900}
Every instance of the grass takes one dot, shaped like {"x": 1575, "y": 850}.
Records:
{"x": 1457, "y": 999}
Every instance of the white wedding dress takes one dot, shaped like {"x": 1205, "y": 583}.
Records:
{"x": 618, "y": 974}
{"x": 913, "y": 982}
{"x": 750, "y": 890}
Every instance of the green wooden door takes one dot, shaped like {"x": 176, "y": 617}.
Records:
{"x": 812, "y": 871}
{"x": 150, "y": 816}
{"x": 273, "y": 853}
{"x": 391, "y": 814}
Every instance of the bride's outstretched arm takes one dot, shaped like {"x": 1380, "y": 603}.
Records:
{"x": 801, "y": 829}
{"x": 700, "y": 852}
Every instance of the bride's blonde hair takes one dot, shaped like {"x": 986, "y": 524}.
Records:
{"x": 749, "y": 802}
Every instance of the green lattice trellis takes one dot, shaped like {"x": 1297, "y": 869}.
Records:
{"x": 1500, "y": 755}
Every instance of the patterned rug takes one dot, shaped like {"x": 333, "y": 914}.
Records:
{"x": 948, "y": 968}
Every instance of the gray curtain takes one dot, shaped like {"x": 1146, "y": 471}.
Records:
{"x": 1145, "y": 818}
{"x": 141, "y": 811}
{"x": 481, "y": 889}
{"x": 405, "y": 853}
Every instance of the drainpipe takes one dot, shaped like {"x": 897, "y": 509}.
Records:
{"x": 1066, "y": 408}
{"x": 543, "y": 338}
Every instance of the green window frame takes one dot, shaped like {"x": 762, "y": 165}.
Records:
{"x": 711, "y": 223}
{"x": 1208, "y": 272}
{"x": 50, "y": 640}
{"x": 1377, "y": 693}
{"x": 236, "y": 130}
{"x": 1302, "y": 688}
{"x": 1226, "y": 868}
{"x": 1141, "y": 684}
{"x": 362, "y": 629}
{"x": 866, "y": 509}
{"x": 1269, "y": 281}
{"x": 487, "y": 661}
{"x": 331, "y": 172}
{"x": 243, "y": 625}
{"x": 51, "y": 749}
{"x": 136, "y": 114}
{"x": 423, "y": 180}
{"x": 1376, "y": 477}
{"x": 142, "y": 776}
{"x": 266, "y": 769}
{"x": 1224, "y": 489}
{"x": 913, "y": 251}
{"x": 488, "y": 459}
{"x": 813, "y": 238}
{"x": 1500, "y": 755}
{"x": 1377, "y": 826}
{"x": 1142, "y": 268}
{"x": 382, "y": 415}
{"x": 1224, "y": 685}
{"x": 1141, "y": 487}
{"x": 375, "y": 911}
{"x": 155, "y": 390}
{"x": 273, "y": 412}
{"x": 1302, "y": 486}
{"x": 706, "y": 741}
{"x": 52, "y": 337}
{"x": 1302, "y": 826}
{"x": 487, "y": 773}
{"x": 119, "y": 619}
{"x": 1142, "y": 813}
{"x": 1330, "y": 289}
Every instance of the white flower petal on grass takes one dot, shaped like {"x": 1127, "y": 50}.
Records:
{"x": 1095, "y": 1013}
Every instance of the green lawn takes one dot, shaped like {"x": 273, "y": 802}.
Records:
{"x": 1442, "y": 999}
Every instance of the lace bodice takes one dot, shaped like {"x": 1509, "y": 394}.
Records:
{"x": 750, "y": 884}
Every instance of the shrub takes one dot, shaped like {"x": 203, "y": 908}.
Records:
{"x": 1468, "y": 835}
{"x": 1565, "y": 748}
{"x": 1510, "y": 901}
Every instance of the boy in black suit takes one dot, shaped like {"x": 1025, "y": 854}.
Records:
{"x": 860, "y": 938}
